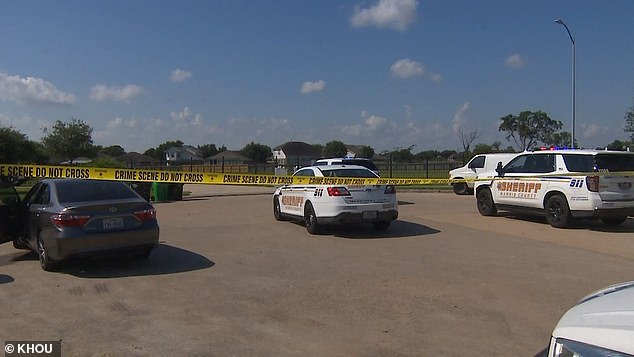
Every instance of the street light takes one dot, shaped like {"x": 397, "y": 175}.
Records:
{"x": 561, "y": 22}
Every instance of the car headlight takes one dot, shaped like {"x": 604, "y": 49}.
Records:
{"x": 569, "y": 348}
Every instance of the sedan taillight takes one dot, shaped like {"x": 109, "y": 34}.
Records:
{"x": 592, "y": 182}
{"x": 390, "y": 190}
{"x": 62, "y": 220}
{"x": 338, "y": 191}
{"x": 146, "y": 214}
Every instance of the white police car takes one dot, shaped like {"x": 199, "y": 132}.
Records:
{"x": 600, "y": 324}
{"x": 562, "y": 184}
{"x": 327, "y": 198}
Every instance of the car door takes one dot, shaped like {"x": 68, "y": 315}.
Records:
{"x": 9, "y": 209}
{"x": 523, "y": 183}
{"x": 32, "y": 209}
{"x": 293, "y": 197}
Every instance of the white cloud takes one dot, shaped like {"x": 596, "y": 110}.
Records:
{"x": 395, "y": 14}
{"x": 102, "y": 93}
{"x": 309, "y": 87}
{"x": 436, "y": 77}
{"x": 515, "y": 61}
{"x": 459, "y": 119}
{"x": 591, "y": 130}
{"x": 31, "y": 90}
{"x": 406, "y": 68}
{"x": 180, "y": 75}
{"x": 122, "y": 123}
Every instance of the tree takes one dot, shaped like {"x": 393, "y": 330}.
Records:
{"x": 335, "y": 149}
{"x": 208, "y": 150}
{"x": 401, "y": 155}
{"x": 529, "y": 128}
{"x": 426, "y": 155}
{"x": 467, "y": 139}
{"x": 629, "y": 122}
{"x": 256, "y": 152}
{"x": 618, "y": 145}
{"x": 559, "y": 139}
{"x": 69, "y": 140}
{"x": 16, "y": 147}
{"x": 114, "y": 150}
{"x": 366, "y": 152}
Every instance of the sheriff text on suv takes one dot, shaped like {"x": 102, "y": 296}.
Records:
{"x": 562, "y": 184}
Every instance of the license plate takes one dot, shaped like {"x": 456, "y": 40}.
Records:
{"x": 113, "y": 223}
{"x": 625, "y": 185}
{"x": 369, "y": 215}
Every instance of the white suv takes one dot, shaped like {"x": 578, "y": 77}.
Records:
{"x": 562, "y": 184}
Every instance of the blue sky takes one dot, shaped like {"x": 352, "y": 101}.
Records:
{"x": 384, "y": 73}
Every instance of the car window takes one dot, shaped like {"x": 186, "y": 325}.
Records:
{"x": 80, "y": 191}
{"x": 9, "y": 197}
{"x": 365, "y": 163}
{"x": 30, "y": 196}
{"x": 579, "y": 163}
{"x": 477, "y": 163}
{"x": 349, "y": 173}
{"x": 305, "y": 172}
{"x": 42, "y": 196}
{"x": 614, "y": 162}
{"x": 542, "y": 163}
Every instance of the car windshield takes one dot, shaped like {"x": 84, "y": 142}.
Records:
{"x": 81, "y": 191}
{"x": 366, "y": 163}
{"x": 349, "y": 173}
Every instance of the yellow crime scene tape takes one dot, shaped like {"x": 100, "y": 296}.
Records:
{"x": 164, "y": 176}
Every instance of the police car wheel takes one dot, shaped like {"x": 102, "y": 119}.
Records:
{"x": 277, "y": 213}
{"x": 485, "y": 203}
{"x": 613, "y": 221}
{"x": 312, "y": 226}
{"x": 460, "y": 188}
{"x": 557, "y": 211}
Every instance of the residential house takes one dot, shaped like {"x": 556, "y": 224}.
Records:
{"x": 295, "y": 153}
{"x": 228, "y": 157}
{"x": 185, "y": 154}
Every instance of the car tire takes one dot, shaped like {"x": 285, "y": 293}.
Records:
{"x": 45, "y": 261}
{"x": 310, "y": 219}
{"x": 485, "y": 203}
{"x": 18, "y": 243}
{"x": 461, "y": 188}
{"x": 277, "y": 212}
{"x": 613, "y": 221}
{"x": 381, "y": 225}
{"x": 557, "y": 211}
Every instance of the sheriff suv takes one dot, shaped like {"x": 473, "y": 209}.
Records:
{"x": 562, "y": 185}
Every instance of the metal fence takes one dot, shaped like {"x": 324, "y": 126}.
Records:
{"x": 424, "y": 169}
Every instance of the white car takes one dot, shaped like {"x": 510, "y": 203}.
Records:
{"x": 562, "y": 185}
{"x": 600, "y": 324}
{"x": 477, "y": 165}
{"x": 324, "y": 202}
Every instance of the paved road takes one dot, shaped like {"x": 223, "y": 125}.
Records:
{"x": 230, "y": 280}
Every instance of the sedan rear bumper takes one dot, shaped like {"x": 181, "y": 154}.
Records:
{"x": 60, "y": 248}
{"x": 358, "y": 217}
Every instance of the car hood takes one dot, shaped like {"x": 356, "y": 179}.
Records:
{"x": 604, "y": 318}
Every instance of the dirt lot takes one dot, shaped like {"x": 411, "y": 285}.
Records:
{"x": 230, "y": 280}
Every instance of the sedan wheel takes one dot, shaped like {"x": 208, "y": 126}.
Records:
{"x": 45, "y": 260}
{"x": 557, "y": 211}
{"x": 277, "y": 213}
{"x": 312, "y": 226}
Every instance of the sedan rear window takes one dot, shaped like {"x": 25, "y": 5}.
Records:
{"x": 81, "y": 191}
{"x": 349, "y": 173}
